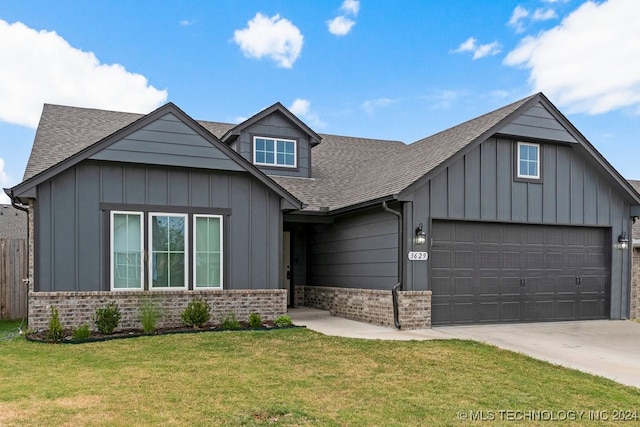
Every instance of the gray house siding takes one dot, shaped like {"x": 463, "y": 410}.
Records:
{"x": 277, "y": 126}
{"x": 356, "y": 251}
{"x": 537, "y": 122}
{"x": 480, "y": 186}
{"x": 72, "y": 250}
{"x": 168, "y": 142}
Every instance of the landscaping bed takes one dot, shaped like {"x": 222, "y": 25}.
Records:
{"x": 95, "y": 336}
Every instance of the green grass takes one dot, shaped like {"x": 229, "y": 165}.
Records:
{"x": 284, "y": 377}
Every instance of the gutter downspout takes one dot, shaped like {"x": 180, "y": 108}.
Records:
{"x": 397, "y": 286}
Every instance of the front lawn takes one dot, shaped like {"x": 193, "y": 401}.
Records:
{"x": 288, "y": 377}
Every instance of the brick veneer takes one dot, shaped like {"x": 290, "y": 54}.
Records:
{"x": 76, "y": 308}
{"x": 367, "y": 305}
{"x": 635, "y": 284}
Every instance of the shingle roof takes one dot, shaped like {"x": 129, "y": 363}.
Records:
{"x": 349, "y": 171}
{"x": 13, "y": 223}
{"x": 346, "y": 170}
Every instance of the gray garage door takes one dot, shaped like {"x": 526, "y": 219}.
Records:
{"x": 491, "y": 272}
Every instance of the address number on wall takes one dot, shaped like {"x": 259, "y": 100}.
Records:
{"x": 418, "y": 256}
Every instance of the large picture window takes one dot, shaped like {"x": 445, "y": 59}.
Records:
{"x": 274, "y": 152}
{"x": 151, "y": 251}
{"x": 126, "y": 250}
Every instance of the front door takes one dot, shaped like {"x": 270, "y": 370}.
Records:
{"x": 286, "y": 265}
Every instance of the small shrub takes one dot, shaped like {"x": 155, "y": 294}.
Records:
{"x": 197, "y": 313}
{"x": 55, "y": 332}
{"x": 255, "y": 321}
{"x": 82, "y": 332}
{"x": 150, "y": 313}
{"x": 283, "y": 321}
{"x": 230, "y": 323}
{"x": 107, "y": 318}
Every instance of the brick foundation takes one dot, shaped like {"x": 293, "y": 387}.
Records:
{"x": 635, "y": 284}
{"x": 367, "y": 305}
{"x": 76, "y": 308}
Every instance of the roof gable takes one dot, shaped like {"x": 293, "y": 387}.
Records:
{"x": 168, "y": 141}
{"x": 537, "y": 122}
{"x": 139, "y": 138}
{"x": 275, "y": 108}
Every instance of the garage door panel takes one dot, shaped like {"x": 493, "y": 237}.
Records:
{"x": 463, "y": 287}
{"x": 463, "y": 259}
{"x": 510, "y": 287}
{"x": 477, "y": 270}
{"x": 566, "y": 284}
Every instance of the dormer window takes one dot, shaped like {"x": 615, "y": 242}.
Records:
{"x": 276, "y": 152}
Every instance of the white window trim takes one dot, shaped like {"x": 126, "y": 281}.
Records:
{"x": 185, "y": 285}
{"x": 111, "y": 251}
{"x": 275, "y": 164}
{"x": 521, "y": 175}
{"x": 195, "y": 270}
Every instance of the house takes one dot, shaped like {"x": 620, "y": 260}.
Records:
{"x": 13, "y": 223}
{"x": 635, "y": 271}
{"x": 510, "y": 217}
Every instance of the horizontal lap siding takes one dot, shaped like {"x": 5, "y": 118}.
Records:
{"x": 72, "y": 244}
{"x": 355, "y": 252}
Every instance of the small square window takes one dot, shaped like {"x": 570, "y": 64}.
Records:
{"x": 528, "y": 161}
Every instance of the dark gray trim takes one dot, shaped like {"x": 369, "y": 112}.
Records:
{"x": 516, "y": 162}
{"x": 304, "y": 217}
{"x": 564, "y": 224}
{"x": 314, "y": 138}
{"x": 162, "y": 208}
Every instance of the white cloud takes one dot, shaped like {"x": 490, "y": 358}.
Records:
{"x": 444, "y": 99}
{"x": 544, "y": 14}
{"x": 369, "y": 106}
{"x": 518, "y": 15}
{"x": 302, "y": 108}
{"x": 187, "y": 22}
{"x": 340, "y": 25}
{"x": 275, "y": 37}
{"x": 45, "y": 68}
{"x": 350, "y": 7}
{"x": 479, "y": 51}
{"x": 5, "y": 182}
{"x": 590, "y": 63}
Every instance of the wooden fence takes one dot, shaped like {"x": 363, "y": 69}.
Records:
{"x": 13, "y": 269}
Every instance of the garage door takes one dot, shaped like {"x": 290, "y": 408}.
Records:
{"x": 492, "y": 273}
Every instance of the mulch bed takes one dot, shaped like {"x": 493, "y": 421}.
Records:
{"x": 41, "y": 336}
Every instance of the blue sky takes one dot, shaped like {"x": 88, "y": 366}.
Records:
{"x": 370, "y": 68}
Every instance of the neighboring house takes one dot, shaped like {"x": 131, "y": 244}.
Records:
{"x": 635, "y": 271}
{"x": 13, "y": 223}
{"x": 518, "y": 214}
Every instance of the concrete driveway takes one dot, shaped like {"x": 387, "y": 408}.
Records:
{"x": 608, "y": 348}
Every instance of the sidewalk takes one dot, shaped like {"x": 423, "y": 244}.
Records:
{"x": 322, "y": 321}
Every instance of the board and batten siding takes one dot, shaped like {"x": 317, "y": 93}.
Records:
{"x": 277, "y": 126}
{"x": 356, "y": 251}
{"x": 480, "y": 186}
{"x": 73, "y": 232}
